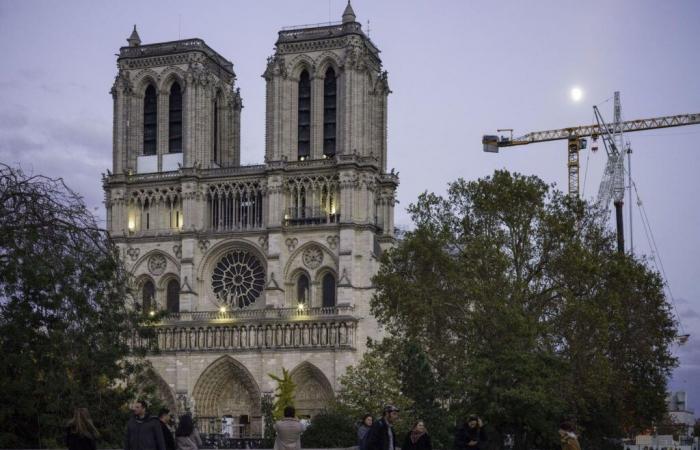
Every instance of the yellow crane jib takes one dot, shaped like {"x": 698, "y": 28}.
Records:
{"x": 575, "y": 135}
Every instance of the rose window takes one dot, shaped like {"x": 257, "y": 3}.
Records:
{"x": 238, "y": 279}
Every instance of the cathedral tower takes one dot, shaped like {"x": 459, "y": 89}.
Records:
{"x": 175, "y": 105}
{"x": 260, "y": 267}
{"x": 326, "y": 94}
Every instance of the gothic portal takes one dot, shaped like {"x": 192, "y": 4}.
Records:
{"x": 259, "y": 267}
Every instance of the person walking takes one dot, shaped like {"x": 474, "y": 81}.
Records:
{"x": 363, "y": 429}
{"x": 81, "y": 434}
{"x": 143, "y": 432}
{"x": 187, "y": 435}
{"x": 567, "y": 433}
{"x": 381, "y": 436}
{"x": 417, "y": 438}
{"x": 288, "y": 430}
{"x": 165, "y": 419}
{"x": 471, "y": 436}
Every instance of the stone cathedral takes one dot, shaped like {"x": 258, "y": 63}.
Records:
{"x": 255, "y": 268}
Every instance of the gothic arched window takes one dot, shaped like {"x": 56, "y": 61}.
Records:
{"x": 175, "y": 120}
{"x": 304, "y": 117}
{"x": 150, "y": 121}
{"x": 173, "y": 296}
{"x": 148, "y": 293}
{"x": 329, "y": 112}
{"x": 303, "y": 288}
{"x": 328, "y": 285}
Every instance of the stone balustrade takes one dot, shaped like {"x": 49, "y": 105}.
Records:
{"x": 258, "y": 314}
{"x": 246, "y": 330}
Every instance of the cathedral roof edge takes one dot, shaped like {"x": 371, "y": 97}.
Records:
{"x": 174, "y": 47}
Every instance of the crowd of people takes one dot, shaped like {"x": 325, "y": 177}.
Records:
{"x": 380, "y": 435}
{"x": 145, "y": 432}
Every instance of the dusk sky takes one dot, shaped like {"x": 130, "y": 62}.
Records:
{"x": 457, "y": 69}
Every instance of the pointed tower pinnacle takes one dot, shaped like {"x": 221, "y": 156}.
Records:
{"x": 134, "y": 40}
{"x": 348, "y": 14}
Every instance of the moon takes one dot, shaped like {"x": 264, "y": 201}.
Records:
{"x": 576, "y": 94}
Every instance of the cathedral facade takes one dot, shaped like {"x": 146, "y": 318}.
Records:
{"x": 254, "y": 268}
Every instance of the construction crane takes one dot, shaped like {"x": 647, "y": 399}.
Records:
{"x": 612, "y": 186}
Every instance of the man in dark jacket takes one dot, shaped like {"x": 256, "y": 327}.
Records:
{"x": 143, "y": 432}
{"x": 164, "y": 417}
{"x": 381, "y": 436}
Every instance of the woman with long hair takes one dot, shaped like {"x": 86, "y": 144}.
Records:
{"x": 362, "y": 431}
{"x": 471, "y": 435}
{"x": 187, "y": 435}
{"x": 81, "y": 434}
{"x": 417, "y": 438}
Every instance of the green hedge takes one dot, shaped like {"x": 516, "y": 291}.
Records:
{"x": 330, "y": 429}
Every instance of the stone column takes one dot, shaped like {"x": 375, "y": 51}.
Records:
{"x": 236, "y": 129}
{"x": 119, "y": 120}
{"x": 188, "y": 106}
{"x": 134, "y": 130}
{"x": 163, "y": 126}
{"x": 317, "y": 116}
{"x": 188, "y": 277}
{"x": 348, "y": 182}
{"x": 288, "y": 132}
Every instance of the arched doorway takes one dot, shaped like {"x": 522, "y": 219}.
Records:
{"x": 150, "y": 380}
{"x": 313, "y": 390}
{"x": 226, "y": 388}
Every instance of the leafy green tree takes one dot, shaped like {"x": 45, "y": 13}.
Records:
{"x": 370, "y": 385}
{"x": 525, "y": 312}
{"x": 330, "y": 429}
{"x": 418, "y": 382}
{"x": 64, "y": 324}
{"x": 284, "y": 393}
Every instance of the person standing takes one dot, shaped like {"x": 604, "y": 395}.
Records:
{"x": 363, "y": 429}
{"x": 417, "y": 438}
{"x": 381, "y": 436}
{"x": 471, "y": 435}
{"x": 81, "y": 434}
{"x": 164, "y": 417}
{"x": 187, "y": 434}
{"x": 288, "y": 431}
{"x": 143, "y": 432}
{"x": 569, "y": 441}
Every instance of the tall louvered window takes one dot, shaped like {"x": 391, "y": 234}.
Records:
{"x": 328, "y": 284}
{"x": 175, "y": 120}
{"x": 304, "y": 127}
{"x": 150, "y": 121}
{"x": 173, "y": 296}
{"x": 329, "y": 112}
{"x": 303, "y": 289}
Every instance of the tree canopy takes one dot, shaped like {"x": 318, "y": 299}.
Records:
{"x": 515, "y": 297}
{"x": 64, "y": 322}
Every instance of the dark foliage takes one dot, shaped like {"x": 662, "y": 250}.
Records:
{"x": 330, "y": 429}
{"x": 64, "y": 324}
